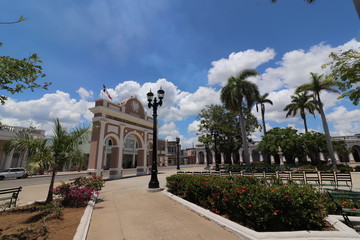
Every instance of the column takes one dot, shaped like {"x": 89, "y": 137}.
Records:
{"x": 222, "y": 159}
{"x": 141, "y": 167}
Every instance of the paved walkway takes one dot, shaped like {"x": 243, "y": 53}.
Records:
{"x": 126, "y": 210}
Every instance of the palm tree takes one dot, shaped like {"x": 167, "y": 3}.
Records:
{"x": 262, "y": 100}
{"x": 318, "y": 84}
{"x": 301, "y": 102}
{"x": 356, "y": 4}
{"x": 237, "y": 94}
{"x": 55, "y": 155}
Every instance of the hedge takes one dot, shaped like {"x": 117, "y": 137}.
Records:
{"x": 254, "y": 202}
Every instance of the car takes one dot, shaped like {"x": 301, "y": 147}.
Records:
{"x": 13, "y": 173}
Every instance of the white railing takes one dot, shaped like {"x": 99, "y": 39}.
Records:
{"x": 5, "y": 128}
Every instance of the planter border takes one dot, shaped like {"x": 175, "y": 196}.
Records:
{"x": 83, "y": 227}
{"x": 343, "y": 231}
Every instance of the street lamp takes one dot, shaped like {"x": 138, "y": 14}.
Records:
{"x": 154, "y": 182}
{"x": 177, "y": 153}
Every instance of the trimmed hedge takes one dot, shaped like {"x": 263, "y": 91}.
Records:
{"x": 253, "y": 202}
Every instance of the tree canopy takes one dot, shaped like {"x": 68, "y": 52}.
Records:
{"x": 215, "y": 118}
{"x": 16, "y": 75}
{"x": 345, "y": 67}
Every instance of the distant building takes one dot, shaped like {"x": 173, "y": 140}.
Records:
{"x": 14, "y": 158}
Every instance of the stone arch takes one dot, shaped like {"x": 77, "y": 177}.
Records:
{"x": 133, "y": 150}
{"x": 355, "y": 150}
{"x": 255, "y": 156}
{"x": 201, "y": 157}
{"x": 111, "y": 151}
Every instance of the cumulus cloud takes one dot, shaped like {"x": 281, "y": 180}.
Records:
{"x": 224, "y": 68}
{"x": 41, "y": 112}
{"x": 295, "y": 66}
{"x": 85, "y": 94}
{"x": 193, "y": 127}
{"x": 170, "y": 130}
{"x": 344, "y": 122}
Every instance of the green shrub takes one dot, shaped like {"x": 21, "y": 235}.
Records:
{"x": 253, "y": 202}
{"x": 357, "y": 168}
{"x": 344, "y": 168}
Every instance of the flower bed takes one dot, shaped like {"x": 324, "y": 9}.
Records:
{"x": 79, "y": 191}
{"x": 253, "y": 202}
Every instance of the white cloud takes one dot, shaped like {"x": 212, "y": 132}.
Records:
{"x": 169, "y": 130}
{"x": 344, "y": 121}
{"x": 295, "y": 66}
{"x": 41, "y": 112}
{"x": 224, "y": 68}
{"x": 193, "y": 127}
{"x": 85, "y": 94}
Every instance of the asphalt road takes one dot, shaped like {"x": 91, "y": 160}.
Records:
{"x": 37, "y": 180}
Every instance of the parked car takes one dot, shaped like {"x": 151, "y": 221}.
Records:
{"x": 13, "y": 173}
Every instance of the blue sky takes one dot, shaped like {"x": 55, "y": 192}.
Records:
{"x": 188, "y": 47}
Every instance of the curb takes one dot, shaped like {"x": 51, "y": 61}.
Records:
{"x": 343, "y": 231}
{"x": 82, "y": 229}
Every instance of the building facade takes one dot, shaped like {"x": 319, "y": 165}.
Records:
{"x": 14, "y": 158}
{"x": 203, "y": 155}
{"x": 122, "y": 138}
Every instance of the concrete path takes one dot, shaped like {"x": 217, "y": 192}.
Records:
{"x": 126, "y": 210}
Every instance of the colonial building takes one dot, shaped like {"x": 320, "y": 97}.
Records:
{"x": 14, "y": 158}
{"x": 122, "y": 137}
{"x": 203, "y": 155}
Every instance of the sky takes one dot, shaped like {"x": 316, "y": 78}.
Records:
{"x": 189, "y": 48}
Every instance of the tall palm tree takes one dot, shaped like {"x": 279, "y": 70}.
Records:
{"x": 301, "y": 102}
{"x": 356, "y": 4}
{"x": 262, "y": 99}
{"x": 237, "y": 94}
{"x": 62, "y": 144}
{"x": 319, "y": 83}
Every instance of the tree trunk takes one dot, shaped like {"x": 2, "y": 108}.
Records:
{"x": 327, "y": 135}
{"x": 244, "y": 137}
{"x": 305, "y": 124}
{"x": 50, "y": 192}
{"x": 263, "y": 118}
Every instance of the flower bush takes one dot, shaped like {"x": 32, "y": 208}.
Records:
{"x": 254, "y": 202}
{"x": 79, "y": 191}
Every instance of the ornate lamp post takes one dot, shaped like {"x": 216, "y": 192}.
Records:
{"x": 154, "y": 182}
{"x": 177, "y": 153}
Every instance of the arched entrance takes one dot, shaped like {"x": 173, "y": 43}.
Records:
{"x": 355, "y": 150}
{"x": 108, "y": 148}
{"x": 130, "y": 154}
{"x": 201, "y": 158}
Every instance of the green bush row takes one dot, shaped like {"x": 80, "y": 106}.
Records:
{"x": 253, "y": 202}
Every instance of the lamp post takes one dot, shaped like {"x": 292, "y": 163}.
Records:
{"x": 177, "y": 153}
{"x": 154, "y": 103}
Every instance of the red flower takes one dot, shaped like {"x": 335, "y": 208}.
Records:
{"x": 286, "y": 196}
{"x": 276, "y": 212}
{"x": 249, "y": 205}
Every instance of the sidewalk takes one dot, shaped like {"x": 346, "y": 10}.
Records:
{"x": 126, "y": 210}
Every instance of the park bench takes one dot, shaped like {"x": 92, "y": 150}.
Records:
{"x": 327, "y": 179}
{"x": 312, "y": 178}
{"x": 284, "y": 176}
{"x": 298, "y": 177}
{"x": 345, "y": 196}
{"x": 10, "y": 194}
{"x": 343, "y": 179}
